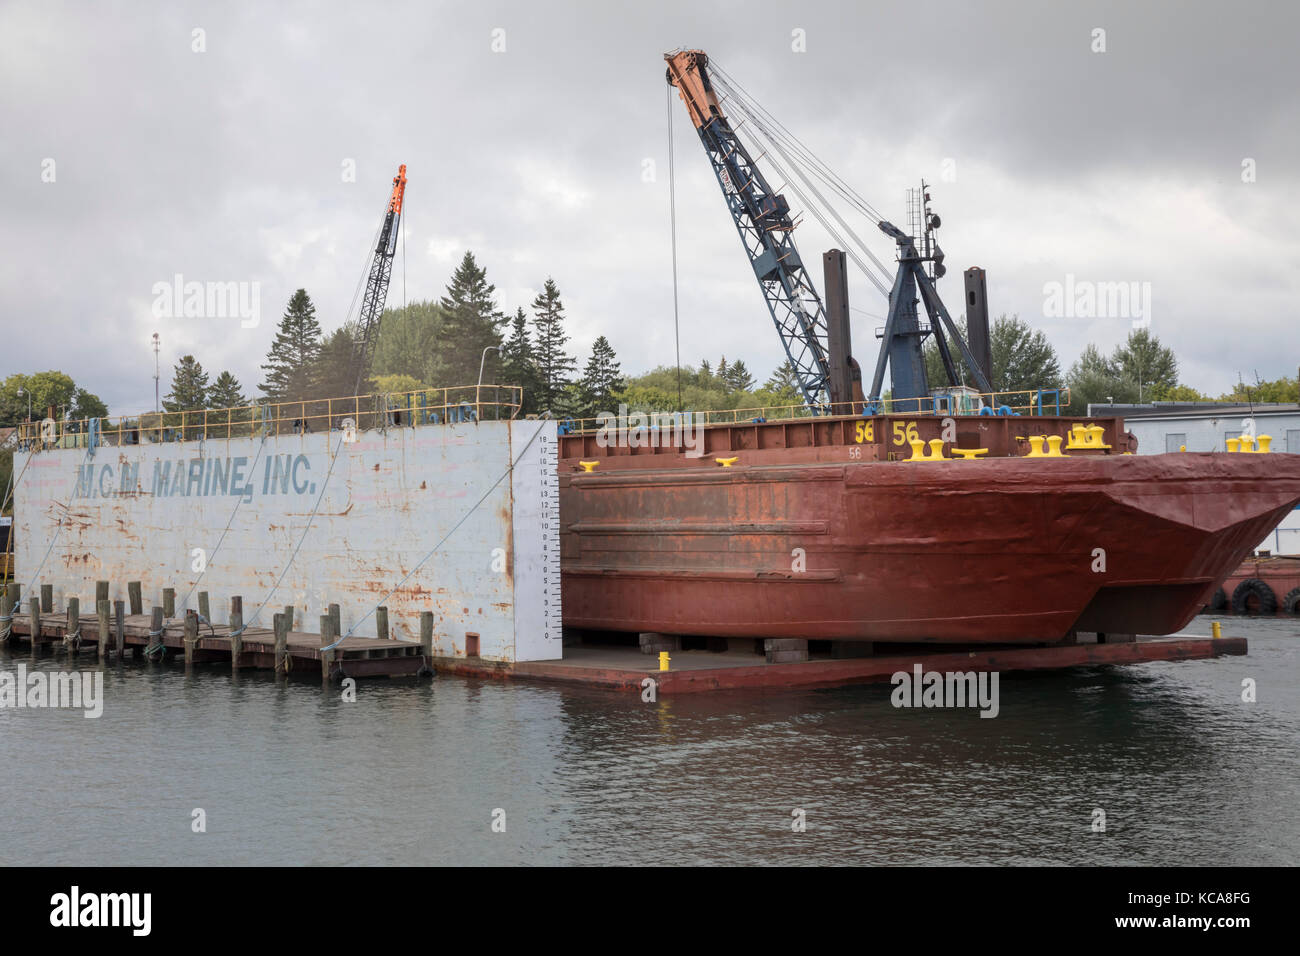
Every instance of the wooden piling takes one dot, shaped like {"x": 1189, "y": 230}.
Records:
{"x": 15, "y": 592}
{"x": 381, "y": 622}
{"x": 155, "y": 645}
{"x": 133, "y": 594}
{"x": 169, "y": 602}
{"x": 72, "y": 630}
{"x": 191, "y": 636}
{"x": 236, "y": 626}
{"x": 34, "y": 609}
{"x": 426, "y": 642}
{"x": 204, "y": 611}
{"x": 101, "y": 592}
{"x": 102, "y": 610}
{"x": 326, "y": 638}
{"x": 47, "y": 598}
{"x": 288, "y": 618}
{"x": 281, "y": 644}
{"x": 335, "y": 615}
{"x": 119, "y": 627}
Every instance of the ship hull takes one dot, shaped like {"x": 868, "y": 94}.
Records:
{"x": 1004, "y": 550}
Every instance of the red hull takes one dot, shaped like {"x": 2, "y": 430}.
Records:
{"x": 998, "y": 550}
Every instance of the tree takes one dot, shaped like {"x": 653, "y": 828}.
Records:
{"x": 407, "y": 343}
{"x": 554, "y": 365}
{"x": 738, "y": 378}
{"x": 1023, "y": 359}
{"x": 189, "y": 386}
{"x": 518, "y": 362}
{"x": 471, "y": 322}
{"x": 600, "y": 380}
{"x": 46, "y": 390}
{"x": 224, "y": 395}
{"x": 721, "y": 372}
{"x": 1282, "y": 390}
{"x": 226, "y": 392}
{"x": 1142, "y": 359}
{"x": 291, "y": 364}
{"x": 783, "y": 386}
{"x": 334, "y": 374}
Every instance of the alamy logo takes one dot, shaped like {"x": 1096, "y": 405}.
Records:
{"x": 82, "y": 690}
{"x": 651, "y": 430}
{"x": 208, "y": 300}
{"x": 950, "y": 689}
{"x": 75, "y": 908}
{"x": 1085, "y": 299}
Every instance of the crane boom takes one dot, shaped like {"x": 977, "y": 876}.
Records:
{"x": 762, "y": 217}
{"x": 381, "y": 269}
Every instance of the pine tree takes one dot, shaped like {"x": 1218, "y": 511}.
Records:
{"x": 784, "y": 381}
{"x": 721, "y": 373}
{"x": 189, "y": 386}
{"x": 738, "y": 378}
{"x": 706, "y": 372}
{"x": 554, "y": 365}
{"x": 471, "y": 322}
{"x": 518, "y": 362}
{"x": 334, "y": 376}
{"x": 601, "y": 379}
{"x": 291, "y": 364}
{"x": 226, "y": 393}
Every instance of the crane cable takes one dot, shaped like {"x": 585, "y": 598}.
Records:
{"x": 672, "y": 216}
{"x": 785, "y": 143}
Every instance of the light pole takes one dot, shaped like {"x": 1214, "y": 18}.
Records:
{"x": 155, "y": 373}
{"x": 483, "y": 358}
{"x": 21, "y": 393}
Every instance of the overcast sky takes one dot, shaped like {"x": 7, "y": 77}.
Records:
{"x": 229, "y": 165}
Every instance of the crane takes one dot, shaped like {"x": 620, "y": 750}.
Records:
{"x": 762, "y": 217}
{"x": 381, "y": 269}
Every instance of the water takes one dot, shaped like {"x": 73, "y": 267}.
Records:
{"x": 412, "y": 773}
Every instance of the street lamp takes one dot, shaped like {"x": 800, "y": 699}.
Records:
{"x": 21, "y": 393}
{"x": 155, "y": 341}
{"x": 483, "y": 358}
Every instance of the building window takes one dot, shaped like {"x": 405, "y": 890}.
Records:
{"x": 1174, "y": 441}
{"x": 1293, "y": 440}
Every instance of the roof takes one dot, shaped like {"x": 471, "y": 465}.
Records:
{"x": 1158, "y": 410}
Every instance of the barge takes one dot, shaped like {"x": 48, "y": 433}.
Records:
{"x": 912, "y": 529}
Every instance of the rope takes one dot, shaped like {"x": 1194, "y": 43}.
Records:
{"x": 465, "y": 517}
{"x": 160, "y": 646}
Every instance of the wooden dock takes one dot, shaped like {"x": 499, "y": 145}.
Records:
{"x": 190, "y": 638}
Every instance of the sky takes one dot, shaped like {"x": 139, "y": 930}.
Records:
{"x": 256, "y": 144}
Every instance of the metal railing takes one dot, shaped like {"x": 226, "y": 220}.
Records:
{"x": 430, "y": 406}
{"x": 1047, "y": 401}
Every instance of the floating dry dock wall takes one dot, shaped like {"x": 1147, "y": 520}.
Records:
{"x": 311, "y": 520}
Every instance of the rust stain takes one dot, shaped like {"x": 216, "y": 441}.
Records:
{"x": 423, "y": 485}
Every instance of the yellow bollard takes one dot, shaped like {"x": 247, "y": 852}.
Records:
{"x": 1216, "y": 630}
{"x": 663, "y": 660}
{"x": 1265, "y": 444}
{"x": 588, "y": 465}
{"x": 726, "y": 462}
{"x": 1234, "y": 444}
{"x": 1054, "y": 447}
{"x": 1036, "y": 447}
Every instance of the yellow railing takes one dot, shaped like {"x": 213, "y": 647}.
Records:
{"x": 429, "y": 406}
{"x": 1023, "y": 402}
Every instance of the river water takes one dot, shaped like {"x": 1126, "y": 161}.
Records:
{"x": 416, "y": 773}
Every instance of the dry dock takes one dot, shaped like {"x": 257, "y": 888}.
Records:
{"x": 625, "y": 668}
